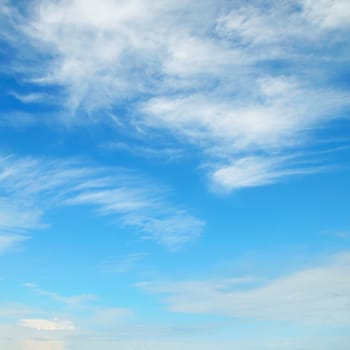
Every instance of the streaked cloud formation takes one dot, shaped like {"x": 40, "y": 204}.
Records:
{"x": 30, "y": 187}
{"x": 203, "y": 71}
{"x": 74, "y": 300}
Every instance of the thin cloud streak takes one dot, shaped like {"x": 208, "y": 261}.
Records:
{"x": 75, "y": 300}
{"x": 36, "y": 185}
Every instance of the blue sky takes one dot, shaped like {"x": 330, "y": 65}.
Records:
{"x": 174, "y": 174}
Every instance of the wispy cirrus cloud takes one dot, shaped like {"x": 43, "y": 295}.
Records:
{"x": 235, "y": 80}
{"x": 145, "y": 151}
{"x": 30, "y": 187}
{"x": 317, "y": 296}
{"x": 74, "y": 300}
{"x": 252, "y": 140}
{"x": 28, "y": 98}
{"x": 258, "y": 171}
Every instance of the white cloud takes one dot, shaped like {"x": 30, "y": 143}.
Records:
{"x": 281, "y": 24}
{"x": 278, "y": 111}
{"x": 120, "y": 36}
{"x": 233, "y": 133}
{"x": 28, "y": 98}
{"x": 189, "y": 56}
{"x": 253, "y": 25}
{"x": 165, "y": 153}
{"x": 255, "y": 171}
{"x": 316, "y": 296}
{"x": 329, "y": 14}
{"x": 42, "y": 183}
{"x": 47, "y": 325}
{"x": 205, "y": 72}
